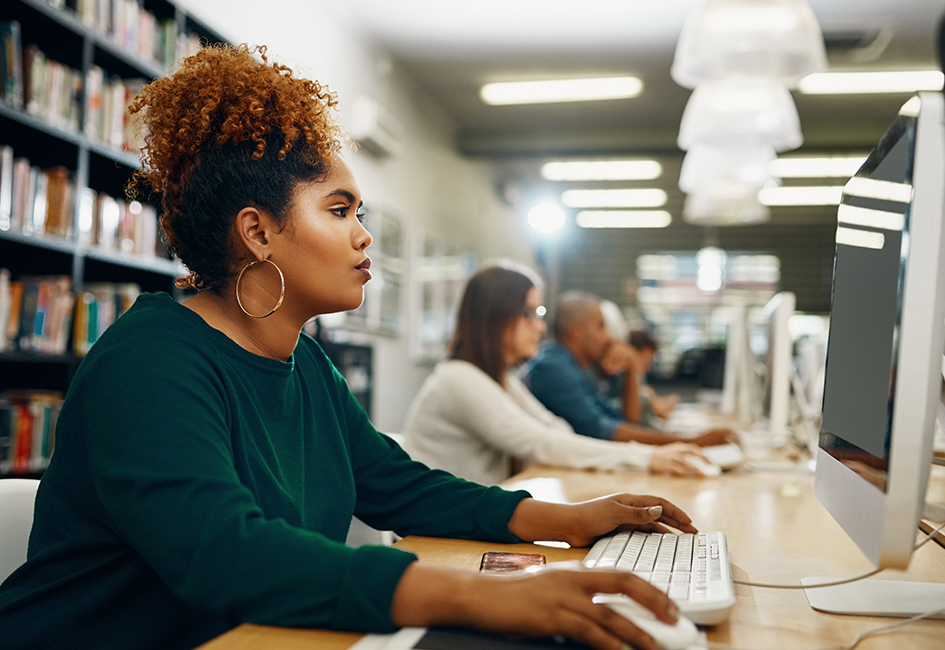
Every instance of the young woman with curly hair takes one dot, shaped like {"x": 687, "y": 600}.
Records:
{"x": 209, "y": 457}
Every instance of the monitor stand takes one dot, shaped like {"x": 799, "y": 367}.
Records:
{"x": 896, "y": 598}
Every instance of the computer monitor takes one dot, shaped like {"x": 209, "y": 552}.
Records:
{"x": 883, "y": 374}
{"x": 779, "y": 367}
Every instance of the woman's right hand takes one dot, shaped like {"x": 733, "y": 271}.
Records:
{"x": 673, "y": 459}
{"x": 553, "y": 600}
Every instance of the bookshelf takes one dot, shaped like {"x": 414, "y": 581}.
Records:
{"x": 79, "y": 63}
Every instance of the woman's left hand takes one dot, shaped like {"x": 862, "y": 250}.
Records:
{"x": 580, "y": 524}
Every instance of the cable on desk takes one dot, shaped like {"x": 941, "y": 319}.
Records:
{"x": 842, "y": 581}
{"x": 856, "y": 640}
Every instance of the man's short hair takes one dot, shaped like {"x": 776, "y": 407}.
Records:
{"x": 574, "y": 307}
{"x": 643, "y": 340}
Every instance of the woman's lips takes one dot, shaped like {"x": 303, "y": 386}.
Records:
{"x": 365, "y": 268}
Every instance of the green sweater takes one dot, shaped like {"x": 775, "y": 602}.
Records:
{"x": 196, "y": 486}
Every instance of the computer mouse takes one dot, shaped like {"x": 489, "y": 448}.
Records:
{"x": 669, "y": 637}
{"x": 707, "y": 468}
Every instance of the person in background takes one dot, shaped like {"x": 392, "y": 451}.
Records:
{"x": 473, "y": 416}
{"x": 557, "y": 377}
{"x": 209, "y": 457}
{"x": 649, "y": 404}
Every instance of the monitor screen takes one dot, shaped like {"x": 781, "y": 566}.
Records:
{"x": 859, "y": 387}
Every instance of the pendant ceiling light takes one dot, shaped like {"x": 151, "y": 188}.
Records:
{"x": 778, "y": 41}
{"x": 725, "y": 203}
{"x": 708, "y": 165}
{"x": 722, "y": 113}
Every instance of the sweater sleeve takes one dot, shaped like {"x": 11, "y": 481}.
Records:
{"x": 512, "y": 423}
{"x": 160, "y": 458}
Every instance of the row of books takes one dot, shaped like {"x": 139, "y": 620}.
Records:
{"x": 52, "y": 91}
{"x": 38, "y": 201}
{"x": 106, "y": 110}
{"x": 42, "y": 87}
{"x": 27, "y": 430}
{"x": 98, "y": 306}
{"x": 38, "y": 313}
{"x": 132, "y": 27}
{"x": 135, "y": 29}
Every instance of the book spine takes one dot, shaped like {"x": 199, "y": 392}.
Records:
{"x": 41, "y": 316}
{"x": 37, "y": 222}
{"x": 80, "y": 319}
{"x": 12, "y": 74}
{"x": 23, "y": 440}
{"x": 94, "y": 83}
{"x": 21, "y": 177}
{"x": 85, "y": 216}
{"x": 66, "y": 304}
{"x": 57, "y": 192}
{"x": 5, "y": 299}
{"x": 34, "y": 84}
{"x": 7, "y": 431}
{"x": 40, "y": 411}
{"x": 6, "y": 187}
{"x": 24, "y": 337}
{"x": 12, "y": 325}
{"x": 109, "y": 218}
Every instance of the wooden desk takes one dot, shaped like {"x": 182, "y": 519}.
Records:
{"x": 776, "y": 530}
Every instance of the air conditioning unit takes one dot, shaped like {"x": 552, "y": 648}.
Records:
{"x": 374, "y": 129}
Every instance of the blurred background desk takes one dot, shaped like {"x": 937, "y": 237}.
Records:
{"x": 777, "y": 532}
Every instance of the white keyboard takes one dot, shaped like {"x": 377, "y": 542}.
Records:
{"x": 693, "y": 569}
{"x": 725, "y": 456}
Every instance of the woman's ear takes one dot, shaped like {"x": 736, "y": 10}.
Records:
{"x": 253, "y": 228}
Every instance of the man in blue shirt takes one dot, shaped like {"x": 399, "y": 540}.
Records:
{"x": 556, "y": 376}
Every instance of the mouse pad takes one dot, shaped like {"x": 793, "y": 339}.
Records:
{"x": 467, "y": 639}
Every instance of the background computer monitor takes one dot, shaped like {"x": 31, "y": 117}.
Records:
{"x": 883, "y": 370}
{"x": 779, "y": 368}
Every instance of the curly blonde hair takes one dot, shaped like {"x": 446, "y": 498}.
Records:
{"x": 228, "y": 130}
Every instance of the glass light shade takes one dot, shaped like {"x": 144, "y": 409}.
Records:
{"x": 705, "y": 165}
{"x": 723, "y": 113}
{"x": 726, "y": 203}
{"x": 776, "y": 40}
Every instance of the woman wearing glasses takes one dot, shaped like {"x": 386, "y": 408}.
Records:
{"x": 473, "y": 416}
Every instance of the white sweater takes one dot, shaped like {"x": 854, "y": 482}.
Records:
{"x": 466, "y": 423}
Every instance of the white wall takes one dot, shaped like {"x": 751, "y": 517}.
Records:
{"x": 428, "y": 185}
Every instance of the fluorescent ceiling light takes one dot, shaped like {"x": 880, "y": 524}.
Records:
{"x": 847, "y": 83}
{"x": 861, "y": 238}
{"x": 601, "y": 170}
{"x": 623, "y": 219}
{"x": 817, "y": 167}
{"x": 642, "y": 198}
{"x": 560, "y": 90}
{"x": 784, "y": 196}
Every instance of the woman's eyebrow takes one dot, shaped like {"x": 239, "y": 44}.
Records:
{"x": 343, "y": 193}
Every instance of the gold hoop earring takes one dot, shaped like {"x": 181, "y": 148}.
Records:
{"x": 281, "y": 293}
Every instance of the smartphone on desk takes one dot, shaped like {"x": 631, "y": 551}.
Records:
{"x": 497, "y": 562}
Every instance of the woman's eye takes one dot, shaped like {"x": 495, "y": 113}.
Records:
{"x": 360, "y": 216}
{"x": 342, "y": 211}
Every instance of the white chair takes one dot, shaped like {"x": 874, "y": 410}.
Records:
{"x": 17, "y": 496}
